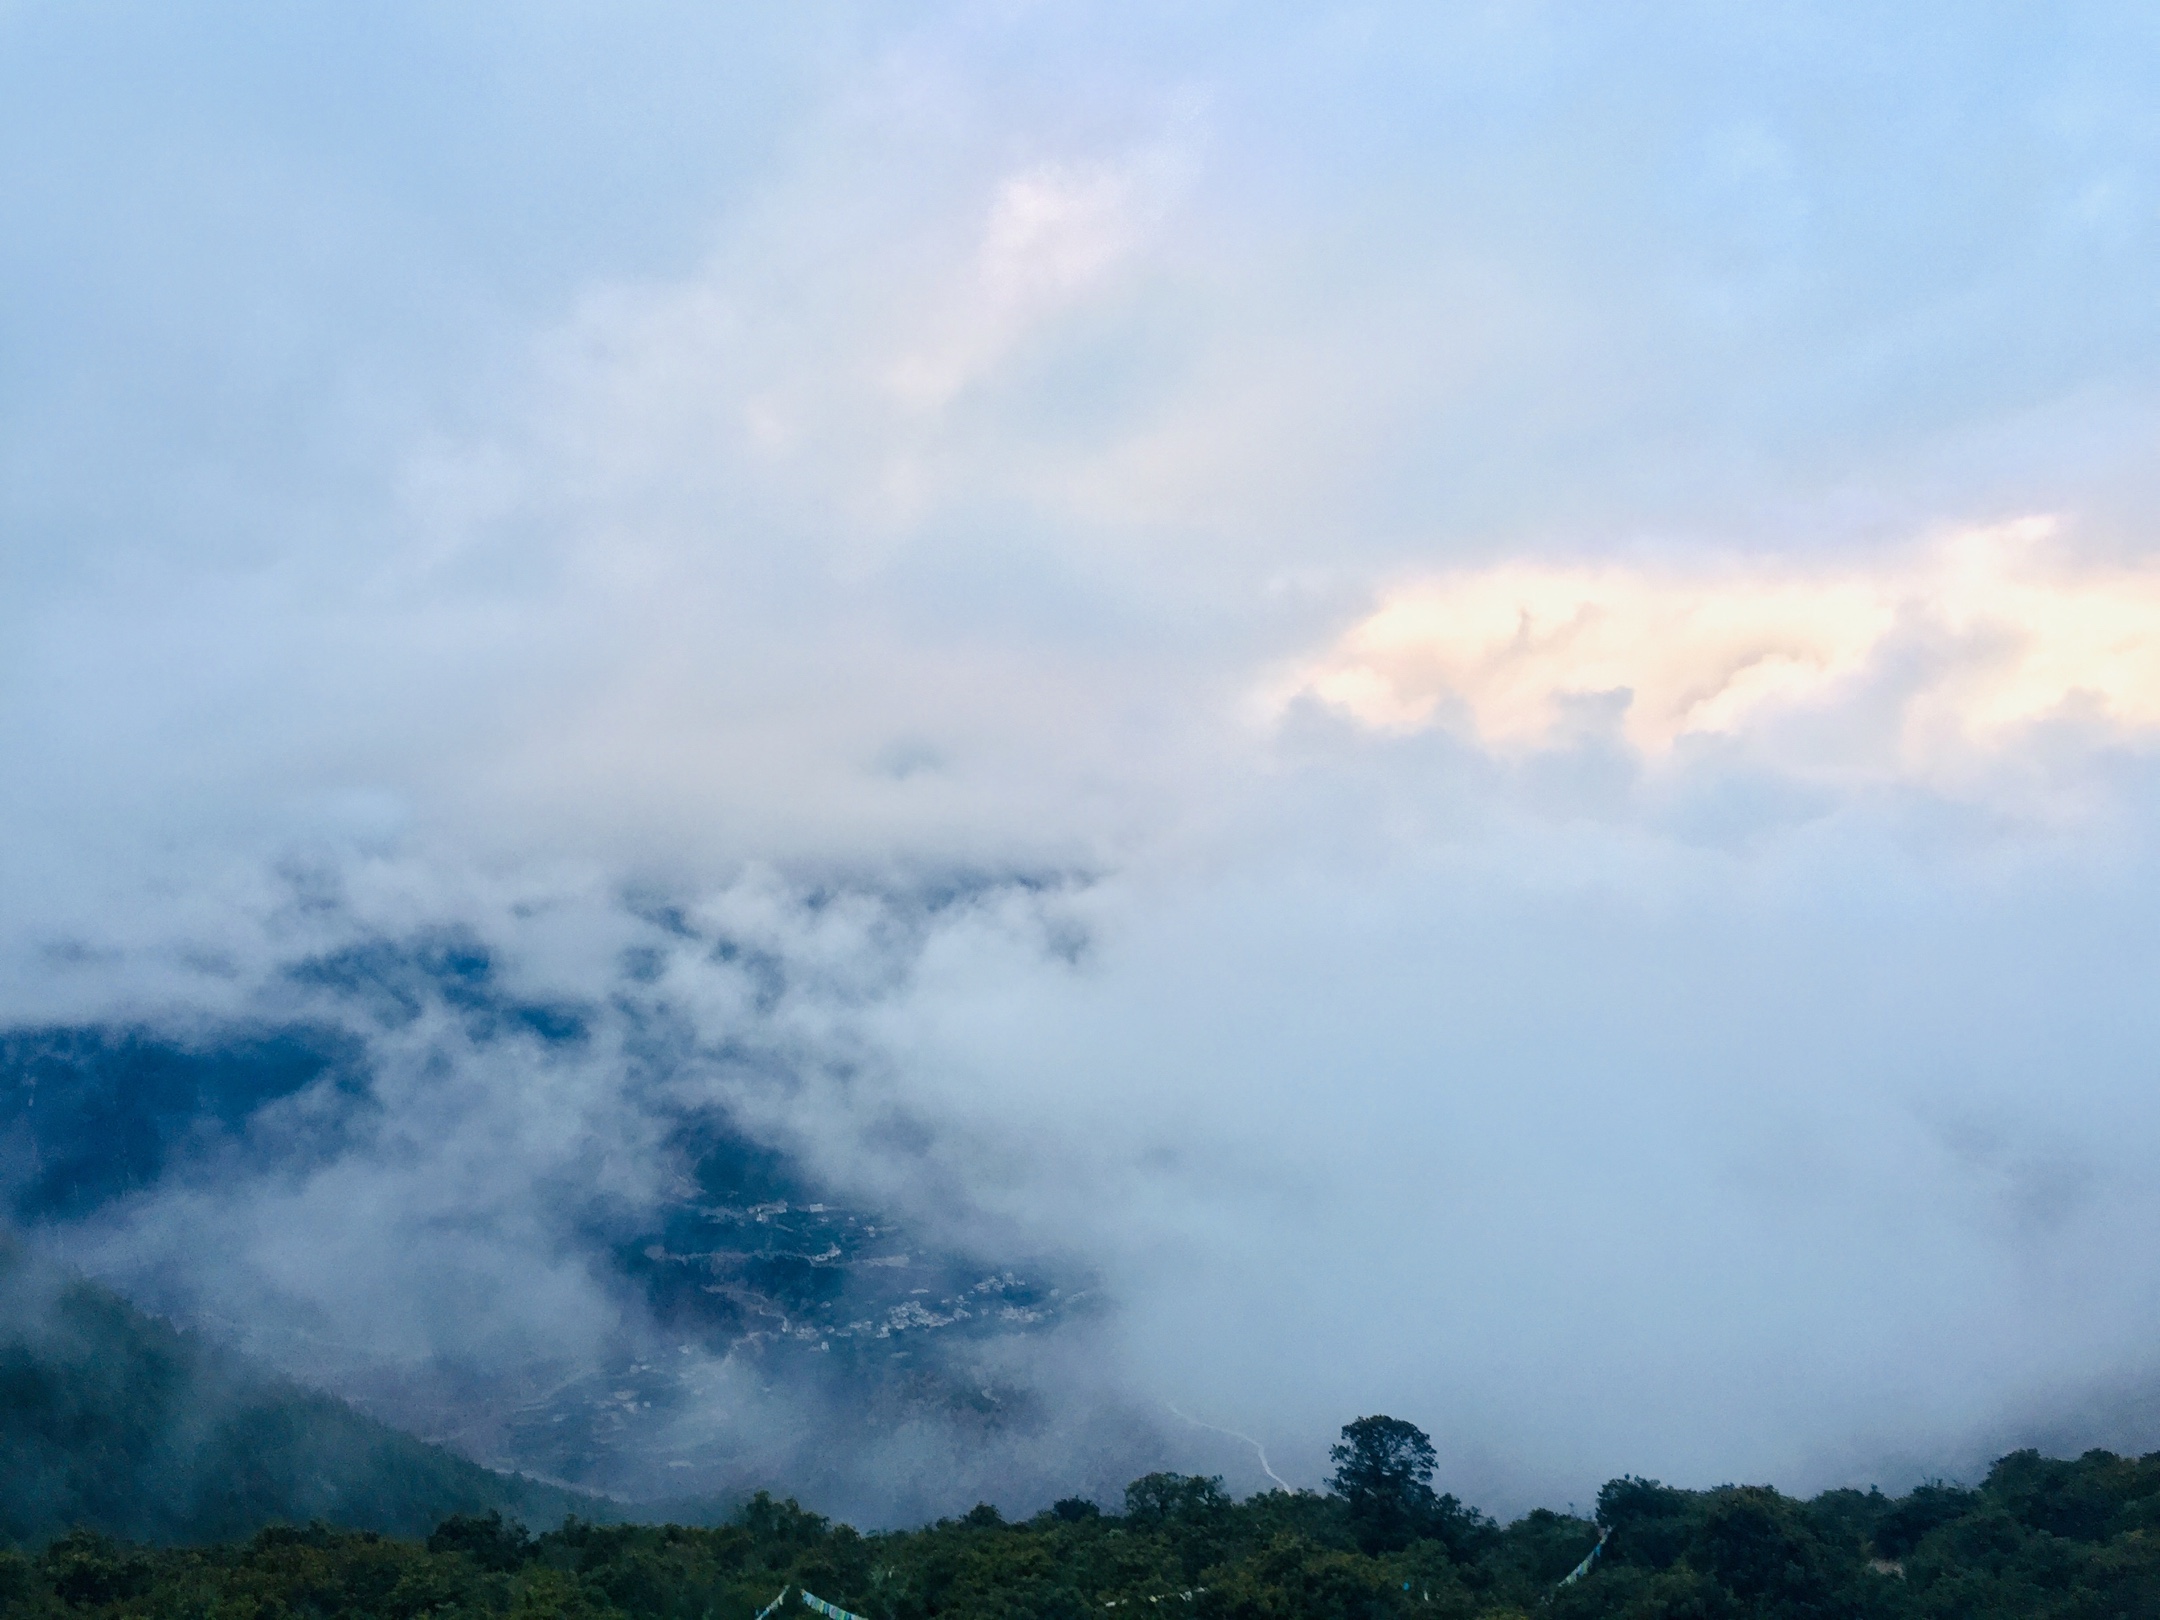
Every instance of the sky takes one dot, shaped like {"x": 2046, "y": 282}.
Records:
{"x": 1468, "y": 694}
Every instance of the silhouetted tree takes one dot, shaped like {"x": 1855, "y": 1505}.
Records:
{"x": 484, "y": 1538}
{"x": 1157, "y": 1499}
{"x": 1383, "y": 1469}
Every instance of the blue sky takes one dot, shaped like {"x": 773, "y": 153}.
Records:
{"x": 1566, "y": 598}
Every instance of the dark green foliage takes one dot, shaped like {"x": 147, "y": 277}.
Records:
{"x": 2085, "y": 1500}
{"x": 112, "y": 1420}
{"x": 1759, "y": 1547}
{"x": 1466, "y": 1533}
{"x": 1651, "y": 1523}
{"x": 2056, "y": 1540}
{"x": 1183, "y": 1500}
{"x": 1292, "y": 1578}
{"x": 1909, "y": 1522}
{"x": 487, "y": 1541}
{"x": 1540, "y": 1547}
{"x": 1383, "y": 1469}
{"x": 89, "y": 1571}
{"x": 1844, "y": 1519}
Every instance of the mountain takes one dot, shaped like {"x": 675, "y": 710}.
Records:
{"x": 722, "y": 1316}
{"x": 116, "y": 1421}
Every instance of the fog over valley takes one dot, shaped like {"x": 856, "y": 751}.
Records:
{"x": 939, "y": 758}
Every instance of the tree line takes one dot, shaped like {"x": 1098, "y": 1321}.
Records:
{"x": 2077, "y": 1539}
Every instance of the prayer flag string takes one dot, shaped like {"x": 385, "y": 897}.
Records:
{"x": 832, "y": 1611}
{"x": 1583, "y": 1568}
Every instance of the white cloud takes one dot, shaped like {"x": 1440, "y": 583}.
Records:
{"x": 1905, "y": 666}
{"x": 906, "y": 492}
{"x": 1054, "y": 237}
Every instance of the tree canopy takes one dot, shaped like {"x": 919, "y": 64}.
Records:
{"x": 2075, "y": 1539}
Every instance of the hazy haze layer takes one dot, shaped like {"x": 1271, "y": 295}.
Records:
{"x": 1462, "y": 706}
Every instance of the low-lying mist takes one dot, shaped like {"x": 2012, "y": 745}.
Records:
{"x": 1811, "y": 1153}
{"x": 933, "y": 754}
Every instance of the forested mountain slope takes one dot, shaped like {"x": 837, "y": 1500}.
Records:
{"x": 115, "y": 1420}
{"x": 734, "y": 1256}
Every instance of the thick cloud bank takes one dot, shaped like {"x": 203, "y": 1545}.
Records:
{"x": 935, "y": 758}
{"x": 1813, "y": 1151}
{"x": 578, "y": 1186}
